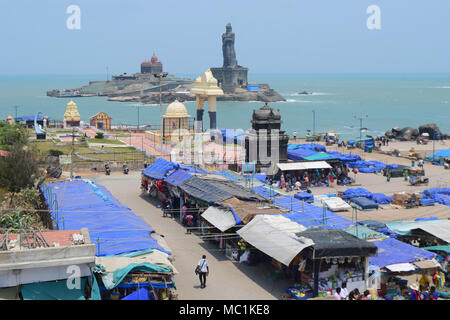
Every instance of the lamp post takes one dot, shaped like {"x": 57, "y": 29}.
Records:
{"x": 160, "y": 75}
{"x": 360, "y": 127}
{"x": 314, "y": 124}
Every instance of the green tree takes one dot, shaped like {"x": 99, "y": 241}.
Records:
{"x": 19, "y": 169}
{"x": 12, "y": 135}
{"x": 99, "y": 135}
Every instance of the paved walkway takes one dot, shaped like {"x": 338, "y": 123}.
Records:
{"x": 227, "y": 280}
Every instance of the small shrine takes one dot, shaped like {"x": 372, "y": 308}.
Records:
{"x": 71, "y": 116}
{"x": 175, "y": 121}
{"x": 101, "y": 121}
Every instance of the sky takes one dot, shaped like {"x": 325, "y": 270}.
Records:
{"x": 283, "y": 36}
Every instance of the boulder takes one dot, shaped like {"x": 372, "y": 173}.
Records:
{"x": 388, "y": 134}
{"x": 408, "y": 134}
{"x": 431, "y": 129}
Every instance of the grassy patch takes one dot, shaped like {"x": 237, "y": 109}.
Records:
{"x": 104, "y": 141}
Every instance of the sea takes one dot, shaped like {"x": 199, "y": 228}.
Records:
{"x": 339, "y": 102}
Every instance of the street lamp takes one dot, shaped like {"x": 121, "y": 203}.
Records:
{"x": 360, "y": 127}
{"x": 160, "y": 75}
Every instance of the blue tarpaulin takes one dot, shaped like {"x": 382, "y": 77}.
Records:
{"x": 177, "y": 177}
{"x": 304, "y": 196}
{"x": 192, "y": 169}
{"x": 444, "y": 153}
{"x": 265, "y": 191}
{"x": 392, "y": 251}
{"x": 364, "y": 203}
{"x": 159, "y": 168}
{"x": 202, "y": 190}
{"x": 313, "y": 217}
{"x": 85, "y": 205}
{"x": 227, "y": 174}
{"x": 357, "y": 192}
{"x": 381, "y": 198}
{"x": 141, "y": 294}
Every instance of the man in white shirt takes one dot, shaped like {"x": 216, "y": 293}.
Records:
{"x": 344, "y": 291}
{"x": 202, "y": 269}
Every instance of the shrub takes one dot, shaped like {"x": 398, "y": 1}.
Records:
{"x": 55, "y": 153}
{"x": 99, "y": 135}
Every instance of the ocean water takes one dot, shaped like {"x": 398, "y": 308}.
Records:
{"x": 339, "y": 100}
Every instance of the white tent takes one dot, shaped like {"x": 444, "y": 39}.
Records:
{"x": 222, "y": 219}
{"x": 275, "y": 236}
{"x": 307, "y": 165}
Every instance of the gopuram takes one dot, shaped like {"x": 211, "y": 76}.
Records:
{"x": 231, "y": 75}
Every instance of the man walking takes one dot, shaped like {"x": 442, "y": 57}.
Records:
{"x": 202, "y": 269}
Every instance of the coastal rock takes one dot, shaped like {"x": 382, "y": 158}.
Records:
{"x": 408, "y": 134}
{"x": 431, "y": 129}
{"x": 304, "y": 92}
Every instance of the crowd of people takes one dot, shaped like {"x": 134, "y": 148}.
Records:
{"x": 302, "y": 179}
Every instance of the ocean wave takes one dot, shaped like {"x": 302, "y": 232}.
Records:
{"x": 440, "y": 87}
{"x": 296, "y": 94}
{"x": 143, "y": 105}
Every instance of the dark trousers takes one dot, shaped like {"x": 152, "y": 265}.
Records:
{"x": 202, "y": 276}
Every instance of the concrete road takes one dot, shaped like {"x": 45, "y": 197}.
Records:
{"x": 227, "y": 279}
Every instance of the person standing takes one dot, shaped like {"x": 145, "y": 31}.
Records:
{"x": 344, "y": 291}
{"x": 415, "y": 293}
{"x": 295, "y": 135}
{"x": 202, "y": 269}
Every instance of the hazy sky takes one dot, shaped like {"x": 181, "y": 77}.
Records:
{"x": 271, "y": 36}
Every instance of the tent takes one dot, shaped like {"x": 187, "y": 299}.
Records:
{"x": 437, "y": 228}
{"x": 221, "y": 218}
{"x": 288, "y": 166}
{"x": 443, "y": 153}
{"x": 275, "y": 236}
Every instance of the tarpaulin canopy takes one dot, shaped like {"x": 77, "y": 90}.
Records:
{"x": 437, "y": 228}
{"x": 266, "y": 192}
{"x": 299, "y": 154}
{"x": 228, "y": 174}
{"x": 363, "y": 232}
{"x": 438, "y": 248}
{"x": 304, "y": 196}
{"x": 338, "y": 243}
{"x": 177, "y": 177}
{"x": 53, "y": 290}
{"x": 303, "y": 165}
{"x": 401, "y": 267}
{"x": 234, "y": 188}
{"x": 193, "y": 169}
{"x": 321, "y": 156}
{"x": 313, "y": 217}
{"x": 392, "y": 251}
{"x": 221, "y": 218}
{"x": 275, "y": 236}
{"x": 113, "y": 227}
{"x": 244, "y": 211}
{"x": 159, "y": 168}
{"x": 202, "y": 190}
{"x": 443, "y": 153}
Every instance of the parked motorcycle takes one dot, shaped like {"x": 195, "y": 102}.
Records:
{"x": 107, "y": 169}
{"x": 125, "y": 169}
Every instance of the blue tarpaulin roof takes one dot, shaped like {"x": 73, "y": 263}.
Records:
{"x": 227, "y": 174}
{"x": 357, "y": 192}
{"x": 141, "y": 294}
{"x": 29, "y": 118}
{"x": 177, "y": 177}
{"x": 444, "y": 153}
{"x": 84, "y": 204}
{"x": 266, "y": 191}
{"x": 193, "y": 169}
{"x": 159, "y": 168}
{"x": 313, "y": 216}
{"x": 392, "y": 251}
{"x": 304, "y": 196}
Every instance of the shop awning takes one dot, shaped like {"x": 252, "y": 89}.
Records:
{"x": 438, "y": 248}
{"x": 427, "y": 264}
{"x": 303, "y": 165}
{"x": 438, "y": 228}
{"x": 401, "y": 267}
{"x": 275, "y": 235}
{"x": 337, "y": 243}
{"x": 222, "y": 219}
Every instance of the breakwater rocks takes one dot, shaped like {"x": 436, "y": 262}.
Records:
{"x": 411, "y": 134}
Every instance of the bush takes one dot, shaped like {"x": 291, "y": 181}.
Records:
{"x": 99, "y": 135}
{"x": 55, "y": 153}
